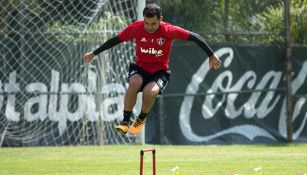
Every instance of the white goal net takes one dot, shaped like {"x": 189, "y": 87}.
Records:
{"x": 48, "y": 96}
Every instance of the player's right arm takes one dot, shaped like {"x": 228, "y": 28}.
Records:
{"x": 105, "y": 46}
{"x": 125, "y": 35}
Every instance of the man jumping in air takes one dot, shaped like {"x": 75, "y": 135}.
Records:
{"x": 149, "y": 74}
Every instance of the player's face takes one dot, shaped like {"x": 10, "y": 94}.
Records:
{"x": 152, "y": 24}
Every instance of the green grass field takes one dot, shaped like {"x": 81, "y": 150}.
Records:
{"x": 124, "y": 159}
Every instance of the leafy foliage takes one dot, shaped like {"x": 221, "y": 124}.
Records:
{"x": 270, "y": 20}
{"x": 238, "y": 21}
{"x": 231, "y": 21}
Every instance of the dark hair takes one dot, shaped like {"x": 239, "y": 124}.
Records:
{"x": 152, "y": 10}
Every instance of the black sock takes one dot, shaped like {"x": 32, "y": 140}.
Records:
{"x": 127, "y": 115}
{"x": 142, "y": 115}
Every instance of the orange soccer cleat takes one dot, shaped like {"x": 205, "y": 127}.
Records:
{"x": 136, "y": 126}
{"x": 123, "y": 127}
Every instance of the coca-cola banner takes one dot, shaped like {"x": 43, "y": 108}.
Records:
{"x": 242, "y": 102}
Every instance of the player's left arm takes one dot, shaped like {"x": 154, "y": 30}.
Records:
{"x": 214, "y": 61}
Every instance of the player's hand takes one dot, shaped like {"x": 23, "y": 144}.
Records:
{"x": 88, "y": 57}
{"x": 214, "y": 62}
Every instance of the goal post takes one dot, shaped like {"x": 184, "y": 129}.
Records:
{"x": 140, "y": 137}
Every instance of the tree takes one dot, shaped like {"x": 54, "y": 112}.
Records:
{"x": 238, "y": 21}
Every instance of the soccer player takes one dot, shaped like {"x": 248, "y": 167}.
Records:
{"x": 149, "y": 74}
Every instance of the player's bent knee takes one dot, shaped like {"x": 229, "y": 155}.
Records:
{"x": 150, "y": 92}
{"x": 136, "y": 81}
{"x": 149, "y": 95}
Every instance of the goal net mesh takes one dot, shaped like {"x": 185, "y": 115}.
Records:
{"x": 48, "y": 95}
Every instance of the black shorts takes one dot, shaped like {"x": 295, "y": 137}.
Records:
{"x": 161, "y": 77}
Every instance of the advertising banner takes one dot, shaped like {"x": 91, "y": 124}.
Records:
{"x": 242, "y": 102}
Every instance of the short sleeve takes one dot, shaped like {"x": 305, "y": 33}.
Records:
{"x": 178, "y": 33}
{"x": 127, "y": 33}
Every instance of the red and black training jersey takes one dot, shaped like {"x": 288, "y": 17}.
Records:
{"x": 153, "y": 49}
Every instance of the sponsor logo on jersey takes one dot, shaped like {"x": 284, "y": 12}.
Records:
{"x": 152, "y": 51}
